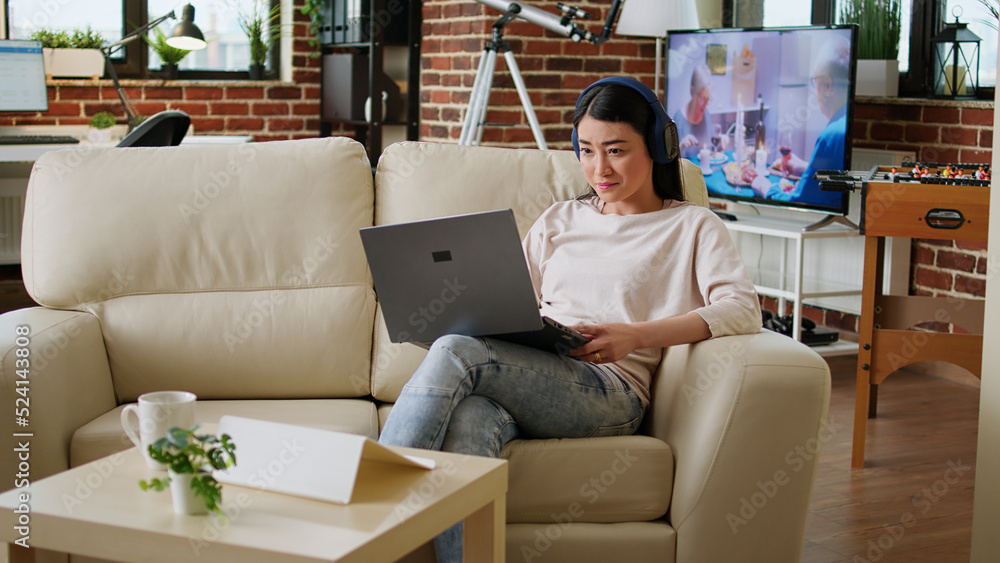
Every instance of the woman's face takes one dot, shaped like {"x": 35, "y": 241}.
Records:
{"x": 618, "y": 166}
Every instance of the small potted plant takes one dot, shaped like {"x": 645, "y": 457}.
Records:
{"x": 72, "y": 55}
{"x": 100, "y": 127}
{"x": 878, "y": 44}
{"x": 190, "y": 459}
{"x": 169, "y": 56}
{"x": 262, "y": 28}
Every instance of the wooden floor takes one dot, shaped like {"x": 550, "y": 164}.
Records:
{"x": 912, "y": 501}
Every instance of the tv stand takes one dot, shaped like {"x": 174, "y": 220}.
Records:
{"x": 830, "y": 220}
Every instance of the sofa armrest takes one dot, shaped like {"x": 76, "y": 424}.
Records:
{"x": 68, "y": 384}
{"x": 745, "y": 416}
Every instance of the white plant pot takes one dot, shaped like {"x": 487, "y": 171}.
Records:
{"x": 877, "y": 78}
{"x": 185, "y": 501}
{"x": 74, "y": 63}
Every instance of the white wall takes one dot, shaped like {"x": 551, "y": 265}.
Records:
{"x": 986, "y": 509}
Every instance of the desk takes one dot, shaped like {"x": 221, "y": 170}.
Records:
{"x": 888, "y": 340}
{"x": 15, "y": 167}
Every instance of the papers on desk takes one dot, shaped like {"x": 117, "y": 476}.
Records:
{"x": 303, "y": 461}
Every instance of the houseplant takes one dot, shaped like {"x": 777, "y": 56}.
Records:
{"x": 262, "y": 28}
{"x": 314, "y": 9}
{"x": 190, "y": 459}
{"x": 100, "y": 127}
{"x": 75, "y": 54}
{"x": 169, "y": 56}
{"x": 878, "y": 44}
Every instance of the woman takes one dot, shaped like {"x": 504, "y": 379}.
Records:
{"x": 693, "y": 120}
{"x": 658, "y": 271}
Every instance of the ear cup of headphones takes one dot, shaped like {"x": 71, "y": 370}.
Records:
{"x": 663, "y": 138}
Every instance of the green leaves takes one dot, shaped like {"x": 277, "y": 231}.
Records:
{"x": 168, "y": 54}
{"x": 183, "y": 451}
{"x": 878, "y": 27}
{"x": 313, "y": 9}
{"x": 262, "y": 29}
{"x": 61, "y": 39}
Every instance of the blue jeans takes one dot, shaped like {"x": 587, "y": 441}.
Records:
{"x": 473, "y": 395}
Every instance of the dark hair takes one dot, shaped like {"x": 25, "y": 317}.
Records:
{"x": 619, "y": 103}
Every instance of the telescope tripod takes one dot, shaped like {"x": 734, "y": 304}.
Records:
{"x": 475, "y": 116}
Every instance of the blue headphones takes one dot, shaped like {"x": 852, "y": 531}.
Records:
{"x": 663, "y": 137}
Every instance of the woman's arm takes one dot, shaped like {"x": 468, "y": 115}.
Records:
{"x": 614, "y": 341}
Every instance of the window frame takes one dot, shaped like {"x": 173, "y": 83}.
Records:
{"x": 927, "y": 17}
{"x": 135, "y": 61}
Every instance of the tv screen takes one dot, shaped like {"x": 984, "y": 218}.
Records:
{"x": 761, "y": 110}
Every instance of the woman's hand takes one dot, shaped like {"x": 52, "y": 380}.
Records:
{"x": 608, "y": 342}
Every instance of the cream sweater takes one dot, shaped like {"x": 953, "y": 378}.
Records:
{"x": 589, "y": 268}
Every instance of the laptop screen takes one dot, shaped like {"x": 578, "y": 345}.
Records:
{"x": 22, "y": 77}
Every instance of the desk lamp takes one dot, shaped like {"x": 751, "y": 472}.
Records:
{"x": 185, "y": 35}
{"x": 652, "y": 18}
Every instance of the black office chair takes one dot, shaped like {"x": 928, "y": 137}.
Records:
{"x": 164, "y": 129}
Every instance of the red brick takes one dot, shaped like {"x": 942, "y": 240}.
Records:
{"x": 933, "y": 279}
{"x": 306, "y": 108}
{"x": 150, "y": 108}
{"x": 960, "y": 136}
{"x": 79, "y": 93}
{"x": 975, "y": 116}
{"x": 97, "y": 107}
{"x": 972, "y": 156}
{"x": 956, "y": 261}
{"x": 68, "y": 109}
{"x": 875, "y": 112}
{"x": 916, "y": 133}
{"x": 986, "y": 138}
{"x": 284, "y": 124}
{"x": 191, "y": 108}
{"x": 887, "y": 132}
{"x": 244, "y": 124}
{"x": 229, "y": 108}
{"x": 970, "y": 285}
{"x": 284, "y": 93}
{"x": 981, "y": 266}
{"x": 841, "y": 321}
{"x": 940, "y": 115}
{"x": 922, "y": 255}
{"x": 164, "y": 93}
{"x": 265, "y": 109}
{"x": 242, "y": 93}
{"x": 202, "y": 93}
{"x": 970, "y": 244}
{"x": 903, "y": 113}
{"x": 208, "y": 124}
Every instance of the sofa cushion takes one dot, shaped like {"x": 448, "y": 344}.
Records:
{"x": 104, "y": 435}
{"x": 634, "y": 542}
{"x": 216, "y": 272}
{"x": 612, "y": 479}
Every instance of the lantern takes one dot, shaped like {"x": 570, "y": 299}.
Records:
{"x": 956, "y": 60}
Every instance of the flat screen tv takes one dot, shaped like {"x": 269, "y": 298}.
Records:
{"x": 761, "y": 110}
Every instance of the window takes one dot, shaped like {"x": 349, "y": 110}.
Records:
{"x": 921, "y": 20}
{"x": 227, "y": 54}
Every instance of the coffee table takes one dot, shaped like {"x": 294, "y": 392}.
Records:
{"x": 98, "y": 510}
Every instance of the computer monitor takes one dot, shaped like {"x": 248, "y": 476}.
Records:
{"x": 22, "y": 77}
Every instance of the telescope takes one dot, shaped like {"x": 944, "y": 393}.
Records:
{"x": 562, "y": 25}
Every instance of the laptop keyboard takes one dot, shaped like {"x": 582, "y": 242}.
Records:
{"x": 38, "y": 140}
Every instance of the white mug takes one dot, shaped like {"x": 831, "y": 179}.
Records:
{"x": 158, "y": 412}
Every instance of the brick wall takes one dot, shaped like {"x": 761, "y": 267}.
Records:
{"x": 266, "y": 110}
{"x": 554, "y": 68}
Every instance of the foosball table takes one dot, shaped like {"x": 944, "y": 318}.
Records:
{"x": 928, "y": 202}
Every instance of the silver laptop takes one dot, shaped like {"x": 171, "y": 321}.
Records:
{"x": 464, "y": 274}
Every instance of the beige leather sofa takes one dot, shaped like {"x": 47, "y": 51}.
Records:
{"x": 236, "y": 272}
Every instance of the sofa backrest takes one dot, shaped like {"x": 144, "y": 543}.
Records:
{"x": 232, "y": 271}
{"x": 417, "y": 181}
